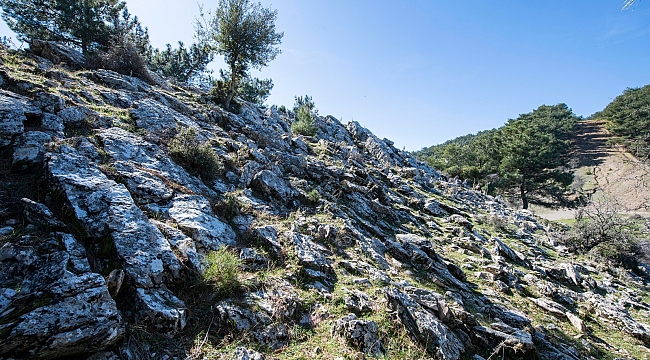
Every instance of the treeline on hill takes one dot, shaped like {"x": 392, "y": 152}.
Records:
{"x": 527, "y": 157}
{"x": 243, "y": 32}
{"x": 628, "y": 117}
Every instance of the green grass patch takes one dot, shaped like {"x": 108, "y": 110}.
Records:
{"x": 222, "y": 272}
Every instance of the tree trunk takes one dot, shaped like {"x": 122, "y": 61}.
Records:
{"x": 524, "y": 199}
{"x": 231, "y": 92}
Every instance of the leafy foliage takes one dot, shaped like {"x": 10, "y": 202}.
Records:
{"x": 221, "y": 271}
{"x": 628, "y": 117}
{"x": 255, "y": 90}
{"x": 195, "y": 156}
{"x": 525, "y": 155}
{"x": 128, "y": 48}
{"x": 244, "y": 33}
{"x": 85, "y": 24}
{"x": 251, "y": 89}
{"x": 185, "y": 65}
{"x": 305, "y": 101}
{"x": 306, "y": 116}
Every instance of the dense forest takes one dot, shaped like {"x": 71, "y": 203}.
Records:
{"x": 528, "y": 156}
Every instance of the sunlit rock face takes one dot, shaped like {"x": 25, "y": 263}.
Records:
{"x": 337, "y": 245}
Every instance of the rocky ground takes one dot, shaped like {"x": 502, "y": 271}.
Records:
{"x": 344, "y": 246}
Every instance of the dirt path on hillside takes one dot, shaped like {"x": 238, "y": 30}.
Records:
{"x": 606, "y": 171}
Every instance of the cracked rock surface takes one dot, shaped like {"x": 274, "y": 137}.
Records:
{"x": 336, "y": 245}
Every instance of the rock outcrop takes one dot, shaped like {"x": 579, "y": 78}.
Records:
{"x": 338, "y": 244}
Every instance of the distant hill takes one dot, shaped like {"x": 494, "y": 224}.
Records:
{"x": 628, "y": 119}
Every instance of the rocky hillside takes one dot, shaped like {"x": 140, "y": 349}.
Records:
{"x": 327, "y": 247}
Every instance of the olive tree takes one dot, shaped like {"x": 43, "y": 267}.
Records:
{"x": 244, "y": 33}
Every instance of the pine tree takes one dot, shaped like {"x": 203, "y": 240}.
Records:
{"x": 82, "y": 23}
{"x": 185, "y": 65}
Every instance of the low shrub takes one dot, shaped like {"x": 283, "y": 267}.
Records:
{"x": 123, "y": 58}
{"x": 313, "y": 196}
{"x": 195, "y": 156}
{"x": 600, "y": 229}
{"x": 221, "y": 271}
{"x": 305, "y": 124}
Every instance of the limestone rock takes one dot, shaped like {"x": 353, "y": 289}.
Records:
{"x": 506, "y": 251}
{"x": 39, "y": 214}
{"x": 268, "y": 235}
{"x": 429, "y": 331}
{"x": 30, "y": 149}
{"x": 160, "y": 308}
{"x": 107, "y": 211}
{"x": 433, "y": 206}
{"x": 14, "y": 110}
{"x": 58, "y": 53}
{"x": 155, "y": 117}
{"x": 105, "y": 208}
{"x": 242, "y": 353}
{"x": 577, "y": 322}
{"x": 252, "y": 259}
{"x": 272, "y": 185}
{"x": 148, "y": 170}
{"x": 550, "y": 306}
{"x": 259, "y": 325}
{"x": 76, "y": 115}
{"x": 194, "y": 215}
{"x": 360, "y": 334}
{"x": 62, "y": 309}
{"x": 505, "y": 339}
{"x": 181, "y": 243}
{"x": 357, "y": 301}
{"x": 311, "y": 256}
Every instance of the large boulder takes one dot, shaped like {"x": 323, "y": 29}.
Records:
{"x": 62, "y": 308}
{"x": 425, "y": 327}
{"x": 257, "y": 324}
{"x": 267, "y": 182}
{"x": 504, "y": 339}
{"x": 148, "y": 170}
{"x": 14, "y": 110}
{"x": 194, "y": 215}
{"x": 311, "y": 256}
{"x": 360, "y": 334}
{"x": 58, "y": 53}
{"x": 30, "y": 149}
{"x": 107, "y": 213}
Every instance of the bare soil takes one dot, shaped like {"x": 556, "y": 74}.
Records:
{"x": 605, "y": 171}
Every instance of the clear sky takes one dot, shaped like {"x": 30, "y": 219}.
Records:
{"x": 420, "y": 72}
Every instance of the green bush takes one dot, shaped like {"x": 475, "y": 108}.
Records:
{"x": 222, "y": 269}
{"x": 198, "y": 158}
{"x": 305, "y": 125}
{"x": 313, "y": 196}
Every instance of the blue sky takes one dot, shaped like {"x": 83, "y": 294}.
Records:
{"x": 420, "y": 72}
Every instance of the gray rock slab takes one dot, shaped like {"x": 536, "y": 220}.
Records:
{"x": 424, "y": 326}
{"x": 13, "y": 109}
{"x": 30, "y": 148}
{"x": 194, "y": 215}
{"x": 362, "y": 335}
{"x": 63, "y": 308}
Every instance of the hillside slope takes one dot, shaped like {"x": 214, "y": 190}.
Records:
{"x": 606, "y": 171}
{"x": 337, "y": 245}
